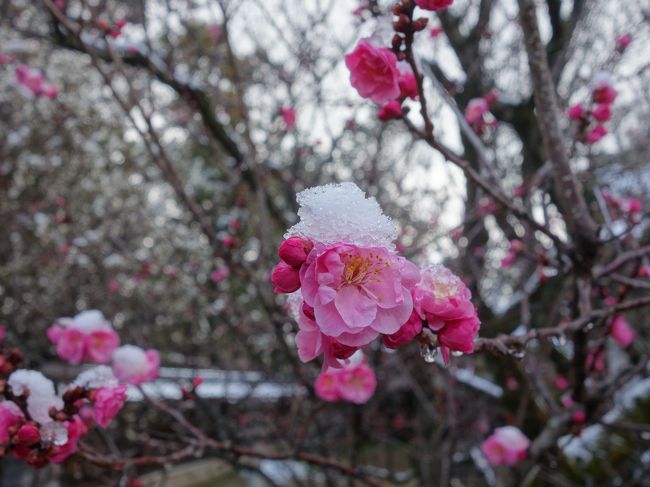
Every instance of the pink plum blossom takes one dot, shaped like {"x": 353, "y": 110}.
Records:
{"x": 408, "y": 85}
{"x": 476, "y": 108}
{"x": 288, "y": 117}
{"x": 602, "y": 89}
{"x": 623, "y": 41}
{"x": 602, "y": 112}
{"x": 373, "y": 72}
{"x": 10, "y": 415}
{"x": 219, "y": 274}
{"x": 107, "y": 403}
{"x": 444, "y": 302}
{"x": 311, "y": 342}
{"x": 327, "y": 385}
{"x": 357, "y": 293}
{"x": 133, "y": 365}
{"x": 595, "y": 134}
{"x": 622, "y": 332}
{"x": 433, "y": 4}
{"x": 576, "y": 112}
{"x": 355, "y": 383}
{"x": 390, "y": 111}
{"x": 87, "y": 336}
{"x": 507, "y": 446}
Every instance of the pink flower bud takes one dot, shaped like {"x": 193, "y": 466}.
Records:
{"x": 294, "y": 251}
{"x": 602, "y": 112}
{"x": 623, "y": 41}
{"x": 28, "y": 435}
{"x": 405, "y": 334}
{"x": 622, "y": 332}
{"x": 576, "y": 112}
{"x": 285, "y": 278}
{"x": 408, "y": 85}
{"x": 390, "y": 111}
{"x": 595, "y": 134}
{"x": 433, "y": 4}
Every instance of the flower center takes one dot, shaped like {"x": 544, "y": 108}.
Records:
{"x": 360, "y": 269}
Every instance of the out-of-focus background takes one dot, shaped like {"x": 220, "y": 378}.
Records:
{"x": 157, "y": 183}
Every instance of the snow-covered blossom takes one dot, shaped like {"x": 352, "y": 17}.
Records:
{"x": 506, "y": 446}
{"x": 41, "y": 396}
{"x": 86, "y": 337}
{"x": 134, "y": 365}
{"x": 444, "y": 302}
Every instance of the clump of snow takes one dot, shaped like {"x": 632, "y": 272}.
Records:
{"x": 87, "y": 321}
{"x": 341, "y": 213}
{"x": 41, "y": 395}
{"x": 131, "y": 357}
{"x": 96, "y": 377}
{"x": 54, "y": 432}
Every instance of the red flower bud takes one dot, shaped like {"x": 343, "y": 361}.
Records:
{"x": 285, "y": 278}
{"x": 341, "y": 351}
{"x": 294, "y": 251}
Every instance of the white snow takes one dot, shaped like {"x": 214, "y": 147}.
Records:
{"x": 341, "y": 213}
{"x": 95, "y": 377}
{"x": 86, "y": 321}
{"x": 41, "y": 395}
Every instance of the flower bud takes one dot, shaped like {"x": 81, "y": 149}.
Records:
{"x": 405, "y": 334}
{"x": 27, "y": 435}
{"x": 285, "y": 278}
{"x": 420, "y": 24}
{"x": 294, "y": 251}
{"x": 341, "y": 351}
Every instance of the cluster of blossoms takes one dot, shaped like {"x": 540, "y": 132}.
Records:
{"x": 39, "y": 426}
{"x": 348, "y": 286}
{"x": 381, "y": 74}
{"x": 354, "y": 383}
{"x": 591, "y": 118}
{"x": 89, "y": 337}
{"x": 506, "y": 446}
{"x": 477, "y": 112}
{"x": 33, "y": 81}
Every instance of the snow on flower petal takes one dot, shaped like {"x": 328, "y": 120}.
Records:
{"x": 506, "y": 446}
{"x": 41, "y": 396}
{"x": 134, "y": 365}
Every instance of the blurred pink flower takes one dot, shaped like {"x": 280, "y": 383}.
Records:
{"x": 622, "y": 332}
{"x": 219, "y": 274}
{"x": 576, "y": 112}
{"x": 108, "y": 401}
{"x": 595, "y": 134}
{"x": 10, "y": 415}
{"x": 476, "y": 108}
{"x": 408, "y": 85}
{"x": 602, "y": 112}
{"x": 390, "y": 111}
{"x": 354, "y": 383}
{"x": 133, "y": 365}
{"x": 623, "y": 41}
{"x": 433, "y": 4}
{"x": 288, "y": 116}
{"x": 76, "y": 429}
{"x": 507, "y": 446}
